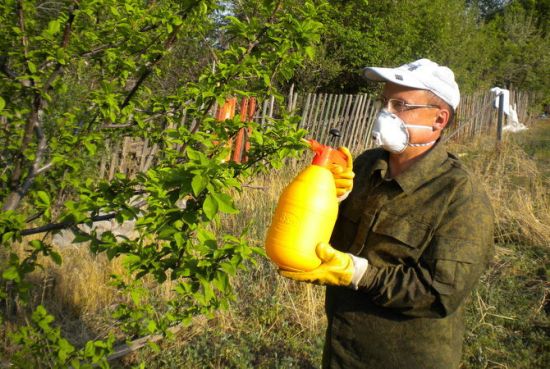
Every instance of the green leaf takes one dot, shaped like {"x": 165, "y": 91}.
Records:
{"x": 11, "y": 274}
{"x": 198, "y": 183}
{"x": 90, "y": 147}
{"x": 193, "y": 154}
{"x": 179, "y": 237}
{"x": 310, "y": 52}
{"x": 115, "y": 11}
{"x": 225, "y": 203}
{"x": 151, "y": 326}
{"x": 210, "y": 206}
{"x": 54, "y": 27}
{"x": 8, "y": 236}
{"x": 258, "y": 137}
{"x": 153, "y": 346}
{"x": 221, "y": 282}
{"x": 43, "y": 197}
{"x": 32, "y": 67}
{"x": 131, "y": 259}
{"x": 56, "y": 257}
{"x": 205, "y": 235}
{"x": 267, "y": 80}
{"x": 65, "y": 348}
{"x": 78, "y": 238}
{"x": 60, "y": 55}
{"x": 38, "y": 245}
{"x": 2, "y": 103}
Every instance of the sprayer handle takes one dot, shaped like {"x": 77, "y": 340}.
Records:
{"x": 325, "y": 155}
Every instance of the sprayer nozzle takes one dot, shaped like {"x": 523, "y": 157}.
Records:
{"x": 326, "y": 155}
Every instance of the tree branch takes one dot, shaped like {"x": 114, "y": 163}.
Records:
{"x": 5, "y": 69}
{"x": 14, "y": 198}
{"x": 34, "y": 122}
{"x": 149, "y": 68}
{"x": 64, "y": 43}
{"x": 68, "y": 25}
{"x": 44, "y": 168}
{"x": 24, "y": 39}
{"x": 65, "y": 225}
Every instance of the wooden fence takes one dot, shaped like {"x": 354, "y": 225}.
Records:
{"x": 352, "y": 115}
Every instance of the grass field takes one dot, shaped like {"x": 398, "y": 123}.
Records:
{"x": 277, "y": 323}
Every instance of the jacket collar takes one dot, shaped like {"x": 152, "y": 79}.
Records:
{"x": 424, "y": 170}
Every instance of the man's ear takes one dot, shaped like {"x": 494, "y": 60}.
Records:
{"x": 441, "y": 120}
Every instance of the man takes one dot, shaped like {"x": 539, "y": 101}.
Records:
{"x": 412, "y": 238}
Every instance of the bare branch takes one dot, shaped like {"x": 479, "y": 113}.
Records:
{"x": 21, "y": 21}
{"x": 64, "y": 43}
{"x": 15, "y": 197}
{"x": 5, "y": 69}
{"x": 34, "y": 122}
{"x": 97, "y": 50}
{"x": 115, "y": 126}
{"x": 68, "y": 26}
{"x": 65, "y": 225}
{"x": 44, "y": 168}
{"x": 149, "y": 68}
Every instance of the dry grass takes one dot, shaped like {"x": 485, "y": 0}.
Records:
{"x": 517, "y": 189}
{"x": 278, "y": 311}
{"x": 302, "y": 303}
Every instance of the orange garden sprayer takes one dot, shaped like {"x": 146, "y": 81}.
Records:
{"x": 306, "y": 212}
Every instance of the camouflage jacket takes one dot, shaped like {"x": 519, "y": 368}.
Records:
{"x": 428, "y": 236}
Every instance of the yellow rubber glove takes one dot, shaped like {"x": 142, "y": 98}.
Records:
{"x": 337, "y": 268}
{"x": 343, "y": 177}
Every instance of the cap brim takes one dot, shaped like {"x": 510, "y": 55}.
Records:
{"x": 393, "y": 75}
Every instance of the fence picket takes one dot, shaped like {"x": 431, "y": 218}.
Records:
{"x": 348, "y": 134}
{"x": 305, "y": 109}
{"x": 359, "y": 131}
{"x": 320, "y": 104}
{"x": 324, "y": 135}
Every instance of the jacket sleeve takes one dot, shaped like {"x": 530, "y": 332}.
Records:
{"x": 457, "y": 254}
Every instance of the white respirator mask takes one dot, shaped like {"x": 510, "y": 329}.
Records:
{"x": 390, "y": 132}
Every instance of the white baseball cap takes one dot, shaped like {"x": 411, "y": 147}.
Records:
{"x": 423, "y": 74}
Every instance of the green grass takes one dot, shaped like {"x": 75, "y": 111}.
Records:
{"x": 507, "y": 318}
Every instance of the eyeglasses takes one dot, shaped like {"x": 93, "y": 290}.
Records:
{"x": 399, "y": 106}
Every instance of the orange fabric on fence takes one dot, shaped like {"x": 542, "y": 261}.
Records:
{"x": 226, "y": 111}
{"x": 247, "y": 111}
{"x": 250, "y": 117}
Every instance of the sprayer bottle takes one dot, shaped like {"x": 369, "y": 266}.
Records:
{"x": 306, "y": 213}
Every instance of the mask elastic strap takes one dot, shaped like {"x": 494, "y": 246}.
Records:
{"x": 423, "y": 144}
{"x": 421, "y": 127}
{"x": 418, "y": 126}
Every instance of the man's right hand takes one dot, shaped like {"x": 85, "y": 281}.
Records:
{"x": 343, "y": 176}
